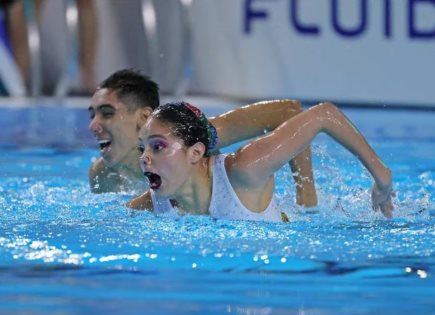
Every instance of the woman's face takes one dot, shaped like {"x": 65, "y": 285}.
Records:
{"x": 164, "y": 158}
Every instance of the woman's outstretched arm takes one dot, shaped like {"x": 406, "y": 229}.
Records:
{"x": 255, "y": 120}
{"x": 260, "y": 159}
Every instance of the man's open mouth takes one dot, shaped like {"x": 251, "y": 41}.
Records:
{"x": 154, "y": 179}
{"x": 104, "y": 144}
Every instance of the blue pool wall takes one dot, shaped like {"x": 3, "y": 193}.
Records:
{"x": 65, "y": 124}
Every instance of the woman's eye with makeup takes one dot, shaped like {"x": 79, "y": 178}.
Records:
{"x": 141, "y": 148}
{"x": 158, "y": 146}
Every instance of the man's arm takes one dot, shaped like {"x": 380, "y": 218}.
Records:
{"x": 253, "y": 120}
{"x": 258, "y": 118}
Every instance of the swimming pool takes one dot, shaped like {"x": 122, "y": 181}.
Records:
{"x": 64, "y": 250}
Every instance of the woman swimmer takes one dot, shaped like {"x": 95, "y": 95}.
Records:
{"x": 176, "y": 141}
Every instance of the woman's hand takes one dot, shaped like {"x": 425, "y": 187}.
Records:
{"x": 382, "y": 199}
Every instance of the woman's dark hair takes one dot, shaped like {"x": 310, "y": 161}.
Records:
{"x": 188, "y": 123}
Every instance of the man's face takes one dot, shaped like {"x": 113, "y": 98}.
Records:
{"x": 114, "y": 127}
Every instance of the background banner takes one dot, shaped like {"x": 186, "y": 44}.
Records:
{"x": 379, "y": 51}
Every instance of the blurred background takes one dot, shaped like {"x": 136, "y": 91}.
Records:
{"x": 366, "y": 53}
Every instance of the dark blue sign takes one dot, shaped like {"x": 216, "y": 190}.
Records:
{"x": 253, "y": 14}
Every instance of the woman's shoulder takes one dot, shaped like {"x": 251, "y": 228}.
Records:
{"x": 142, "y": 202}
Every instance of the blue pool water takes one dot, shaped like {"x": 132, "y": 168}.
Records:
{"x": 64, "y": 250}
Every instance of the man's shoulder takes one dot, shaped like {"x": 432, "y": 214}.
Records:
{"x": 98, "y": 168}
{"x": 102, "y": 178}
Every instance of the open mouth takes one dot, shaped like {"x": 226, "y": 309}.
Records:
{"x": 104, "y": 144}
{"x": 154, "y": 179}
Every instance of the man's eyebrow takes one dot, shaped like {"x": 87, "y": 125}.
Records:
{"x": 101, "y": 107}
{"x": 105, "y": 106}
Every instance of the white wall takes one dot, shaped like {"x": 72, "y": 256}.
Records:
{"x": 381, "y": 62}
{"x": 261, "y": 49}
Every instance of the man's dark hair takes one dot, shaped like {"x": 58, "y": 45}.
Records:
{"x": 133, "y": 88}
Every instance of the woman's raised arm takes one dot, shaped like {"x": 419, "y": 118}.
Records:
{"x": 261, "y": 158}
{"x": 259, "y": 118}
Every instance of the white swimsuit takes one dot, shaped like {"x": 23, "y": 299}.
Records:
{"x": 224, "y": 202}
